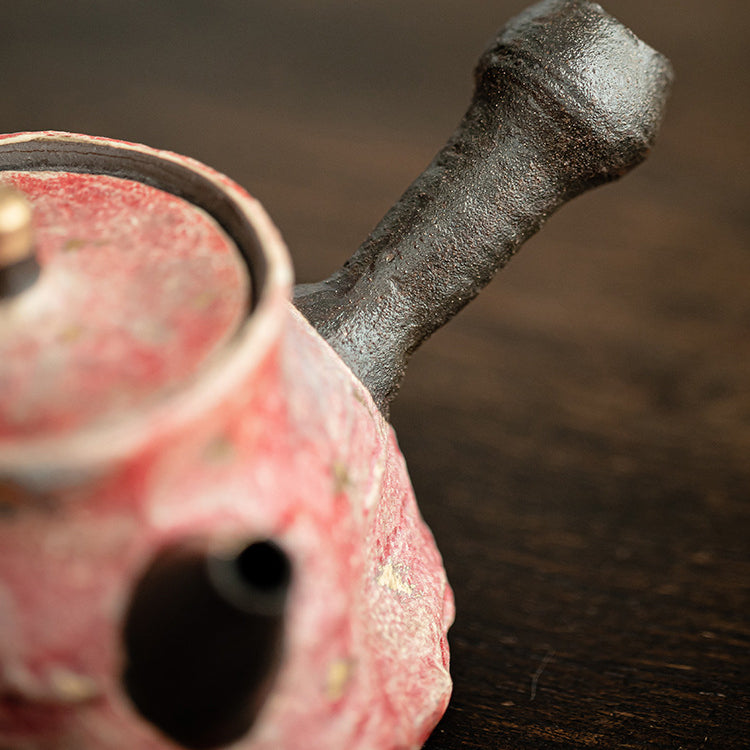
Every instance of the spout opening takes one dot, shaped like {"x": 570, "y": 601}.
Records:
{"x": 203, "y": 640}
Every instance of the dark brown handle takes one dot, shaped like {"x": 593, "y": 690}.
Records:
{"x": 566, "y": 98}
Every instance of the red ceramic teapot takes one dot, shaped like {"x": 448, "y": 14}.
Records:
{"x": 208, "y": 536}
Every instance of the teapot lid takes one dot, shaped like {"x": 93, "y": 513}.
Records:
{"x": 145, "y": 281}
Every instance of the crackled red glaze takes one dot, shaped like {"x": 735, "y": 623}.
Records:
{"x": 139, "y": 289}
{"x": 273, "y": 437}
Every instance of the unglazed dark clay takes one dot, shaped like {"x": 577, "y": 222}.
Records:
{"x": 566, "y": 99}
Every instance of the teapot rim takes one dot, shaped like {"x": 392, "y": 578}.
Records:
{"x": 103, "y": 443}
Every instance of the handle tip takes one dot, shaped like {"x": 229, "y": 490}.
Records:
{"x": 596, "y": 78}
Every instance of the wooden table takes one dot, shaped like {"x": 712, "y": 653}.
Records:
{"x": 579, "y": 437}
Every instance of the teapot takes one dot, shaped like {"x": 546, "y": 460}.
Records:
{"x": 208, "y": 537}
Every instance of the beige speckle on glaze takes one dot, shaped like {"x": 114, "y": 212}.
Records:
{"x": 391, "y": 578}
{"x": 338, "y": 676}
{"x": 341, "y": 479}
{"x": 71, "y": 687}
{"x": 71, "y": 333}
{"x": 73, "y": 244}
{"x": 220, "y": 450}
{"x": 203, "y": 300}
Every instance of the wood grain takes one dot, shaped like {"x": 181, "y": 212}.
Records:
{"x": 579, "y": 438}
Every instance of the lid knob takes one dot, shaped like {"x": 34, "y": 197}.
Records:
{"x": 18, "y": 265}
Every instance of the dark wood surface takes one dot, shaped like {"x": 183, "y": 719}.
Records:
{"x": 579, "y": 438}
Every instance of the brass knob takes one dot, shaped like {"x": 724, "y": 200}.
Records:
{"x": 18, "y": 266}
{"x": 15, "y": 226}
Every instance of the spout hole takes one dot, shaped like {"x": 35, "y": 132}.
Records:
{"x": 203, "y": 640}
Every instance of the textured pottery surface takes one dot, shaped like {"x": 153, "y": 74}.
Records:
{"x": 295, "y": 451}
{"x": 161, "y": 391}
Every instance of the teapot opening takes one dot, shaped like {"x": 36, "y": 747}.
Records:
{"x": 64, "y": 152}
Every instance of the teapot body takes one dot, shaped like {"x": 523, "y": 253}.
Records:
{"x": 276, "y": 434}
{"x": 277, "y": 441}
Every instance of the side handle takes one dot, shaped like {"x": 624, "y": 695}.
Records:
{"x": 566, "y": 98}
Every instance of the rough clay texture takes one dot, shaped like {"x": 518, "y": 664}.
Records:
{"x": 300, "y": 455}
{"x": 566, "y": 98}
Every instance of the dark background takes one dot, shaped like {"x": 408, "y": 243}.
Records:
{"x": 579, "y": 438}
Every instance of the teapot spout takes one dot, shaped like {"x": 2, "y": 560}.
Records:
{"x": 203, "y": 638}
{"x": 566, "y": 98}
